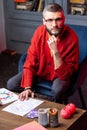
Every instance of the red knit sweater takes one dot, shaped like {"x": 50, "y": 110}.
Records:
{"x": 39, "y": 61}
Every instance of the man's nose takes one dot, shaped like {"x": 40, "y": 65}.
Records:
{"x": 54, "y": 22}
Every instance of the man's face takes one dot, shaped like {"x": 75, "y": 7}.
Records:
{"x": 54, "y": 22}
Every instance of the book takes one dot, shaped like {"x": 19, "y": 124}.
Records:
{"x": 35, "y": 6}
{"x": 41, "y": 6}
{"x": 20, "y": 1}
{"x": 25, "y": 6}
{"x": 31, "y": 126}
{"x": 78, "y": 1}
{"x": 7, "y": 96}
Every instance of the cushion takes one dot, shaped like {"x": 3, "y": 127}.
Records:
{"x": 82, "y": 35}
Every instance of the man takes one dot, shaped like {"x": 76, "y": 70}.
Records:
{"x": 52, "y": 56}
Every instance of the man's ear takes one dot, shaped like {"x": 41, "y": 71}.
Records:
{"x": 44, "y": 22}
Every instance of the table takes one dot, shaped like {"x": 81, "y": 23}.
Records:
{"x": 9, "y": 121}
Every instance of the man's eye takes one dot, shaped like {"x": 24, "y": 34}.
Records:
{"x": 50, "y": 20}
{"x": 58, "y": 19}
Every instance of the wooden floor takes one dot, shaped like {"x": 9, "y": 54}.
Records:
{"x": 9, "y": 67}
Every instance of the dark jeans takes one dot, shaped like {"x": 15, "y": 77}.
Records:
{"x": 55, "y": 89}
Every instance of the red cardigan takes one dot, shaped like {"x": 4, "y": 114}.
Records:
{"x": 39, "y": 61}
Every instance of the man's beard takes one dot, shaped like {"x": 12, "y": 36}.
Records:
{"x": 56, "y": 33}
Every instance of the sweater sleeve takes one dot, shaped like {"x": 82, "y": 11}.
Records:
{"x": 31, "y": 64}
{"x": 70, "y": 60}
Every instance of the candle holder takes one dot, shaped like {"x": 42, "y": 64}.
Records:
{"x": 43, "y": 117}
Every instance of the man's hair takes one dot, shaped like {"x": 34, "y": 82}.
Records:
{"x": 52, "y": 7}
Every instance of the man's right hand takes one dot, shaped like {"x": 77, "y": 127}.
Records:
{"x": 25, "y": 94}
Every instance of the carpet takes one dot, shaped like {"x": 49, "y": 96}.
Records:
{"x": 8, "y": 67}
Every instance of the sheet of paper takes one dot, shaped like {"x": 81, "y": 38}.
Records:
{"x": 7, "y": 96}
{"x": 31, "y": 126}
{"x": 23, "y": 107}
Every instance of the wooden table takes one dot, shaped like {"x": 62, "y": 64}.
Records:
{"x": 9, "y": 121}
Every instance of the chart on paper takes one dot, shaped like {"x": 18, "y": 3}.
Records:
{"x": 7, "y": 96}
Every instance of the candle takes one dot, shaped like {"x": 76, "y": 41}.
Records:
{"x": 53, "y": 117}
{"x": 43, "y": 117}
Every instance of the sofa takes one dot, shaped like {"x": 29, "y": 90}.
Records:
{"x": 82, "y": 71}
{"x": 79, "y": 77}
{"x": 82, "y": 34}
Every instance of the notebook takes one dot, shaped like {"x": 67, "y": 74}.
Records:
{"x": 31, "y": 126}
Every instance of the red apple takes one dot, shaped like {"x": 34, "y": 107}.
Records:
{"x": 71, "y": 107}
{"x": 65, "y": 113}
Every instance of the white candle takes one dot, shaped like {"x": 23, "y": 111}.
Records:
{"x": 42, "y": 117}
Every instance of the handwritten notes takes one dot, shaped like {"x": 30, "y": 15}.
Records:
{"x": 7, "y": 96}
{"x": 23, "y": 107}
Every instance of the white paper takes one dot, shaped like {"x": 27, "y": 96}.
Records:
{"x": 7, "y": 96}
{"x": 23, "y": 107}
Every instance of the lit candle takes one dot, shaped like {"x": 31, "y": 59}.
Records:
{"x": 53, "y": 117}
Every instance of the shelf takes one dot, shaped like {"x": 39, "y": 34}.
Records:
{"x": 21, "y": 24}
{"x": 77, "y": 18}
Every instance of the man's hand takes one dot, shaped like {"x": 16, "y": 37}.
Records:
{"x": 52, "y": 43}
{"x": 25, "y": 94}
